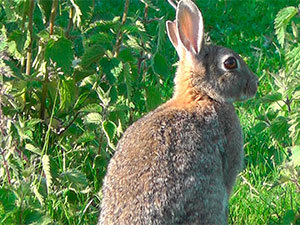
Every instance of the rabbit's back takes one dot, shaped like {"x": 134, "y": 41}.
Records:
{"x": 169, "y": 169}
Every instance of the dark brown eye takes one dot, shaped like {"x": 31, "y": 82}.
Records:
{"x": 230, "y": 63}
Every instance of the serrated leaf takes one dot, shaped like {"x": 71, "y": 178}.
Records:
{"x": 293, "y": 59}
{"x": 33, "y": 149}
{"x": 19, "y": 37}
{"x": 279, "y": 128}
{"x": 92, "y": 55}
{"x": 60, "y": 52}
{"x": 100, "y": 39}
{"x": 47, "y": 171}
{"x": 160, "y": 65}
{"x": 86, "y": 137}
{"x": 91, "y": 108}
{"x": 93, "y": 118}
{"x": 281, "y": 21}
{"x": 274, "y": 97}
{"x": 111, "y": 69}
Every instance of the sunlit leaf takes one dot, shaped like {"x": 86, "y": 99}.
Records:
{"x": 295, "y": 155}
{"x": 281, "y": 21}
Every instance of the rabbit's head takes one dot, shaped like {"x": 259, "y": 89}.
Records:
{"x": 213, "y": 71}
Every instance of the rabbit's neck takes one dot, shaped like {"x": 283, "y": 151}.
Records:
{"x": 185, "y": 95}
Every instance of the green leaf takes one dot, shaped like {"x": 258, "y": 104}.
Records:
{"x": 92, "y": 55}
{"x": 281, "y": 21}
{"x": 294, "y": 128}
{"x": 295, "y": 155}
{"x": 153, "y": 98}
{"x": 67, "y": 93}
{"x": 160, "y": 65}
{"x": 60, "y": 52}
{"x": 19, "y": 37}
{"x": 259, "y": 127}
{"x": 7, "y": 199}
{"x": 111, "y": 69}
{"x": 279, "y": 128}
{"x": 86, "y": 137}
{"x": 47, "y": 171}
{"x": 110, "y": 130}
{"x": 45, "y": 6}
{"x": 274, "y": 97}
{"x": 36, "y": 217}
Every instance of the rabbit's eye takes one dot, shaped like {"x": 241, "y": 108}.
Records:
{"x": 230, "y": 63}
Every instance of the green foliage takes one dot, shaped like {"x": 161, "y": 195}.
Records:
{"x": 98, "y": 72}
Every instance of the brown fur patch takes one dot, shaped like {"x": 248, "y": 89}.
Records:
{"x": 185, "y": 95}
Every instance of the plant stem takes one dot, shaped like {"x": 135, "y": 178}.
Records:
{"x": 46, "y": 80}
{"x": 52, "y": 16}
{"x": 30, "y": 29}
{"x": 70, "y": 24}
{"x": 44, "y": 95}
{"x": 120, "y": 33}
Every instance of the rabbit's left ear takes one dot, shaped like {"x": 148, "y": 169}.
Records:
{"x": 173, "y": 36}
{"x": 190, "y": 26}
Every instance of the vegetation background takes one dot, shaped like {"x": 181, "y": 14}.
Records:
{"x": 76, "y": 73}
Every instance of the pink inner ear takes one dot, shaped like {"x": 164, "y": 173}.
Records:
{"x": 190, "y": 28}
{"x": 172, "y": 33}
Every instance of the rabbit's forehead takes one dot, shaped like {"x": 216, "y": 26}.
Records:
{"x": 223, "y": 53}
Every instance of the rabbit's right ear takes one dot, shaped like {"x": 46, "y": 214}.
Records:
{"x": 190, "y": 26}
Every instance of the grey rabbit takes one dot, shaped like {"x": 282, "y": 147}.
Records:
{"x": 178, "y": 163}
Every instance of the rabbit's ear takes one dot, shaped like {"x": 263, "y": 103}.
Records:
{"x": 173, "y": 35}
{"x": 190, "y": 26}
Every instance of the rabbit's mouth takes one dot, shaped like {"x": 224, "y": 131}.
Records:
{"x": 250, "y": 88}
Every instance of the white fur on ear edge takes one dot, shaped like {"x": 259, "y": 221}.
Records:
{"x": 173, "y": 36}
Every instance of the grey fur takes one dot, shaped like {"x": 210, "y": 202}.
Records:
{"x": 178, "y": 164}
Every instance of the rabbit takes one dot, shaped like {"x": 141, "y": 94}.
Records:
{"x": 178, "y": 163}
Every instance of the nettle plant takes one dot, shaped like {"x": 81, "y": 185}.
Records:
{"x": 75, "y": 75}
{"x": 282, "y": 116}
